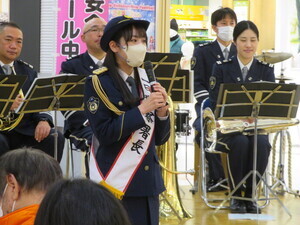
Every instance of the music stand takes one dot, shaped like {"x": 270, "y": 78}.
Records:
{"x": 166, "y": 68}
{"x": 257, "y": 100}
{"x": 10, "y": 86}
{"x": 58, "y": 93}
{"x": 174, "y": 80}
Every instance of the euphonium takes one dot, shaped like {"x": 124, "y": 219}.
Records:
{"x": 10, "y": 121}
{"x": 264, "y": 126}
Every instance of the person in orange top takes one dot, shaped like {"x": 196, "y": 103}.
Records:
{"x": 25, "y": 176}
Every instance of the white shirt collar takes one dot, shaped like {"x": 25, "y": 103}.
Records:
{"x": 95, "y": 59}
{"x": 223, "y": 47}
{"x": 242, "y": 65}
{"x": 11, "y": 64}
{"x": 125, "y": 75}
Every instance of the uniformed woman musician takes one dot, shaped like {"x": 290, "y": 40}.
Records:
{"x": 128, "y": 119}
{"x": 243, "y": 68}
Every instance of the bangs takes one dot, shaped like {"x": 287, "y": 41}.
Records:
{"x": 127, "y": 33}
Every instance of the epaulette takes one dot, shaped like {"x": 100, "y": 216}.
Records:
{"x": 100, "y": 70}
{"x": 73, "y": 57}
{"x": 205, "y": 44}
{"x": 25, "y": 63}
{"x": 265, "y": 63}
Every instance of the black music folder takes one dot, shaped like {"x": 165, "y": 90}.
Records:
{"x": 166, "y": 67}
{"x": 274, "y": 100}
{"x": 57, "y": 93}
{"x": 10, "y": 86}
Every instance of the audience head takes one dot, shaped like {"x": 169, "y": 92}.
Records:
{"x": 80, "y": 201}
{"x": 246, "y": 37}
{"x": 223, "y": 21}
{"x": 25, "y": 176}
{"x": 174, "y": 25}
{"x": 92, "y": 34}
{"x": 11, "y": 42}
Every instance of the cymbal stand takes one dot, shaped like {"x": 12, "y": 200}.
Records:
{"x": 280, "y": 186}
{"x": 254, "y": 173}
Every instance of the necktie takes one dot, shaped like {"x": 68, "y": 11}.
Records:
{"x": 226, "y": 53}
{"x": 131, "y": 83}
{"x": 7, "y": 69}
{"x": 244, "y": 72}
{"x": 99, "y": 63}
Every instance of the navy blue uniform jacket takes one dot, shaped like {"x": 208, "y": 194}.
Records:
{"x": 206, "y": 56}
{"x": 230, "y": 72}
{"x": 30, "y": 120}
{"x": 112, "y": 132}
{"x": 81, "y": 65}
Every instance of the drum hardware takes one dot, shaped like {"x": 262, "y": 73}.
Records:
{"x": 280, "y": 186}
{"x": 182, "y": 127}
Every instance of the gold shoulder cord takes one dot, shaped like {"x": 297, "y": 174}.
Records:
{"x": 99, "y": 90}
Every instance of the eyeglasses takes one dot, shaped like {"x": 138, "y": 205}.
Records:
{"x": 95, "y": 30}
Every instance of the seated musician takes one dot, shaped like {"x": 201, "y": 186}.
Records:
{"x": 30, "y": 129}
{"x": 243, "y": 68}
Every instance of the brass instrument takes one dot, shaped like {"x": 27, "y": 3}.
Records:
{"x": 170, "y": 199}
{"x": 11, "y": 120}
{"x": 264, "y": 126}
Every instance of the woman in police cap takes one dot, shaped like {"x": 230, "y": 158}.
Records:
{"x": 128, "y": 119}
{"x": 243, "y": 68}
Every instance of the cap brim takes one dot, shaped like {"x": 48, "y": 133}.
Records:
{"x": 109, "y": 34}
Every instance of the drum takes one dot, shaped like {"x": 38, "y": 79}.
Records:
{"x": 182, "y": 126}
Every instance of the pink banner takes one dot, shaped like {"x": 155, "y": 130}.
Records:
{"x": 72, "y": 16}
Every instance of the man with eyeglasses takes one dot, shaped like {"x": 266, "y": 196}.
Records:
{"x": 76, "y": 128}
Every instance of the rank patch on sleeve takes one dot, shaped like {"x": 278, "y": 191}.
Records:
{"x": 93, "y": 104}
{"x": 212, "y": 82}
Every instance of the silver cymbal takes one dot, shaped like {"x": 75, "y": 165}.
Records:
{"x": 283, "y": 78}
{"x": 273, "y": 57}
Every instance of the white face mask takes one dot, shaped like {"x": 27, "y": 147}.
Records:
{"x": 135, "y": 54}
{"x": 225, "y": 33}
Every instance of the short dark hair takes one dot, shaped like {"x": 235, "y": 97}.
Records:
{"x": 32, "y": 168}
{"x": 8, "y": 24}
{"x": 242, "y": 26}
{"x": 173, "y": 24}
{"x": 221, "y": 13}
{"x": 80, "y": 201}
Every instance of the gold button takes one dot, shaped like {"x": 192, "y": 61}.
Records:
{"x": 146, "y": 168}
{"x": 120, "y": 103}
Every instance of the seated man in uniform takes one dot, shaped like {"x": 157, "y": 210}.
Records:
{"x": 223, "y": 21}
{"x": 76, "y": 126}
{"x": 34, "y": 129}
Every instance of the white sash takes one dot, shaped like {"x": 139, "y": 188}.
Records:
{"x": 130, "y": 156}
